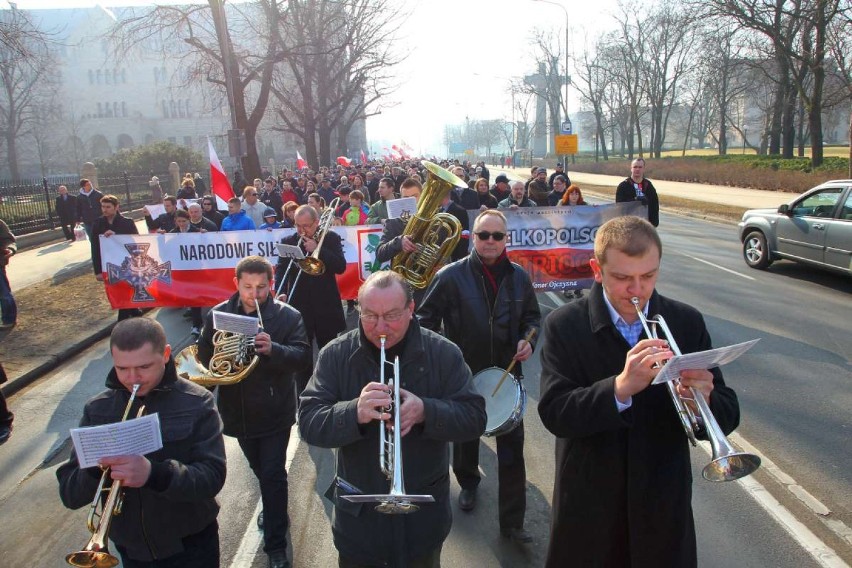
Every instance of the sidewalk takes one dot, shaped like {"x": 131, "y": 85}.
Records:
{"x": 62, "y": 310}
{"x": 736, "y": 196}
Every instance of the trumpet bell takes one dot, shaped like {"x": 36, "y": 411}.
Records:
{"x": 312, "y": 266}
{"x": 731, "y": 467}
{"x": 92, "y": 559}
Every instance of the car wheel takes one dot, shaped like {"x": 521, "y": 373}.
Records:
{"x": 755, "y": 251}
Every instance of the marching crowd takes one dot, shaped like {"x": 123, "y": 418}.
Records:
{"x": 623, "y": 486}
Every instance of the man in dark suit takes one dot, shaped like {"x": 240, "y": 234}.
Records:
{"x": 66, "y": 210}
{"x": 316, "y": 297}
{"x": 623, "y": 476}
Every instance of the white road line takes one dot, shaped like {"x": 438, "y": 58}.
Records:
{"x": 823, "y": 554}
{"x": 252, "y": 540}
{"x": 734, "y": 272}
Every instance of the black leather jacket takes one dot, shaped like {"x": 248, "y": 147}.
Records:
{"x": 264, "y": 402}
{"x": 487, "y": 337}
{"x": 186, "y": 474}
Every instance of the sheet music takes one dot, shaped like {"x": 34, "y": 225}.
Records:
{"x": 701, "y": 360}
{"x": 135, "y": 437}
{"x": 289, "y": 251}
{"x": 398, "y": 207}
{"x": 235, "y": 323}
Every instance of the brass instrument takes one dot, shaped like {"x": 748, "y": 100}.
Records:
{"x": 435, "y": 234}
{"x": 96, "y": 552}
{"x": 233, "y": 359}
{"x": 311, "y": 265}
{"x": 390, "y": 456}
{"x": 727, "y": 464}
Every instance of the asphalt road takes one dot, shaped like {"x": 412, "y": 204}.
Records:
{"x": 794, "y": 388}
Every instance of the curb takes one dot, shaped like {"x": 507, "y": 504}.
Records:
{"x": 54, "y": 361}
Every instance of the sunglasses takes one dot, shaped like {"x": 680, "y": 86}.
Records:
{"x": 485, "y": 235}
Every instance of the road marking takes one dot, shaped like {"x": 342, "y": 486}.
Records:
{"x": 252, "y": 540}
{"x": 823, "y": 554}
{"x": 734, "y": 272}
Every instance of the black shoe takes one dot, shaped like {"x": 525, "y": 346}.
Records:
{"x": 517, "y": 534}
{"x": 10, "y": 325}
{"x": 5, "y": 433}
{"x": 260, "y": 520}
{"x": 467, "y": 499}
{"x": 278, "y": 559}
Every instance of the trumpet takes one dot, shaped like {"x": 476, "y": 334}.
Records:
{"x": 727, "y": 464}
{"x": 311, "y": 265}
{"x": 390, "y": 455}
{"x": 96, "y": 552}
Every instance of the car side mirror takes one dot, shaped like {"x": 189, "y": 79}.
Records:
{"x": 784, "y": 210}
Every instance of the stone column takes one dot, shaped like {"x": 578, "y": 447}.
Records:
{"x": 174, "y": 176}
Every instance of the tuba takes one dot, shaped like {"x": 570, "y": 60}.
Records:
{"x": 435, "y": 234}
{"x": 233, "y": 359}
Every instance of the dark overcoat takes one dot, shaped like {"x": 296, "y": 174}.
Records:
{"x": 66, "y": 208}
{"x": 623, "y": 480}
{"x": 317, "y": 297}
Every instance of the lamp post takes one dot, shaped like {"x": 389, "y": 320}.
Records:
{"x": 564, "y": 9}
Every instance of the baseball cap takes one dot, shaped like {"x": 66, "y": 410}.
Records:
{"x": 541, "y": 171}
{"x": 269, "y": 212}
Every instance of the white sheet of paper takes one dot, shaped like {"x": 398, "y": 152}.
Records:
{"x": 235, "y": 323}
{"x": 396, "y": 207}
{"x": 135, "y": 437}
{"x": 289, "y": 251}
{"x": 701, "y": 360}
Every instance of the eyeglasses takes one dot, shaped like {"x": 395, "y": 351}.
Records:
{"x": 250, "y": 194}
{"x": 485, "y": 235}
{"x": 389, "y": 317}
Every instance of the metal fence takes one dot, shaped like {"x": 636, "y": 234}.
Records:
{"x": 27, "y": 206}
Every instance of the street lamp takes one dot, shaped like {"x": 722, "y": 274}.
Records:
{"x": 564, "y": 9}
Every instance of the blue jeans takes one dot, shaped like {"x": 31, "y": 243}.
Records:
{"x": 7, "y": 300}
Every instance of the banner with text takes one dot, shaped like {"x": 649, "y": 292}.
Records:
{"x": 197, "y": 269}
{"x": 554, "y": 244}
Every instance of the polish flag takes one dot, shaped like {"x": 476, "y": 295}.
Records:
{"x": 363, "y": 157}
{"x": 344, "y": 161}
{"x": 300, "y": 161}
{"x": 218, "y": 180}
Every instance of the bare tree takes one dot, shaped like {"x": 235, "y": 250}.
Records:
{"x": 340, "y": 65}
{"x": 238, "y": 55}
{"x": 592, "y": 75}
{"x": 629, "y": 72}
{"x": 25, "y": 62}
{"x": 549, "y": 64}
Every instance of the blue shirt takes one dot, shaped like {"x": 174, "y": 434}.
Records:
{"x": 630, "y": 333}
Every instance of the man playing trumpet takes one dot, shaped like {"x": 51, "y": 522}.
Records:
{"x": 344, "y": 405}
{"x": 170, "y": 494}
{"x": 623, "y": 478}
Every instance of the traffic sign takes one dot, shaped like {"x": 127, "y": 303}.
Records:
{"x": 567, "y": 128}
{"x": 566, "y": 144}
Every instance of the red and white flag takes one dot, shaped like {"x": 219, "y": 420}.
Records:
{"x": 363, "y": 157}
{"x": 344, "y": 161}
{"x": 219, "y": 183}
{"x": 300, "y": 161}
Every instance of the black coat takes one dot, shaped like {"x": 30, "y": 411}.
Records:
{"x": 120, "y": 225}
{"x": 186, "y": 473}
{"x": 264, "y": 402}
{"x": 89, "y": 206}
{"x": 214, "y": 216}
{"x": 463, "y": 246}
{"x": 626, "y": 191}
{"x": 467, "y": 198}
{"x": 66, "y": 209}
{"x": 317, "y": 297}
{"x": 623, "y": 480}
{"x": 433, "y": 369}
{"x": 487, "y": 336}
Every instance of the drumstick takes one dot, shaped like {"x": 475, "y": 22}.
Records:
{"x": 528, "y": 338}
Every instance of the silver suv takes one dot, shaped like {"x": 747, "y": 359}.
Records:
{"x": 815, "y": 228}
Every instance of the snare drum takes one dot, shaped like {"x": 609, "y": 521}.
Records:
{"x": 506, "y": 408}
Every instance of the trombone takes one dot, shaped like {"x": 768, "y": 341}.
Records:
{"x": 96, "y": 552}
{"x": 727, "y": 464}
{"x": 312, "y": 265}
{"x": 390, "y": 455}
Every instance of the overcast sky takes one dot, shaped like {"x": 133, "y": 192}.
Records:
{"x": 461, "y": 56}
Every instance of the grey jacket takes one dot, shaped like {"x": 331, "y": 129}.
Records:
{"x": 430, "y": 367}
{"x": 186, "y": 474}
